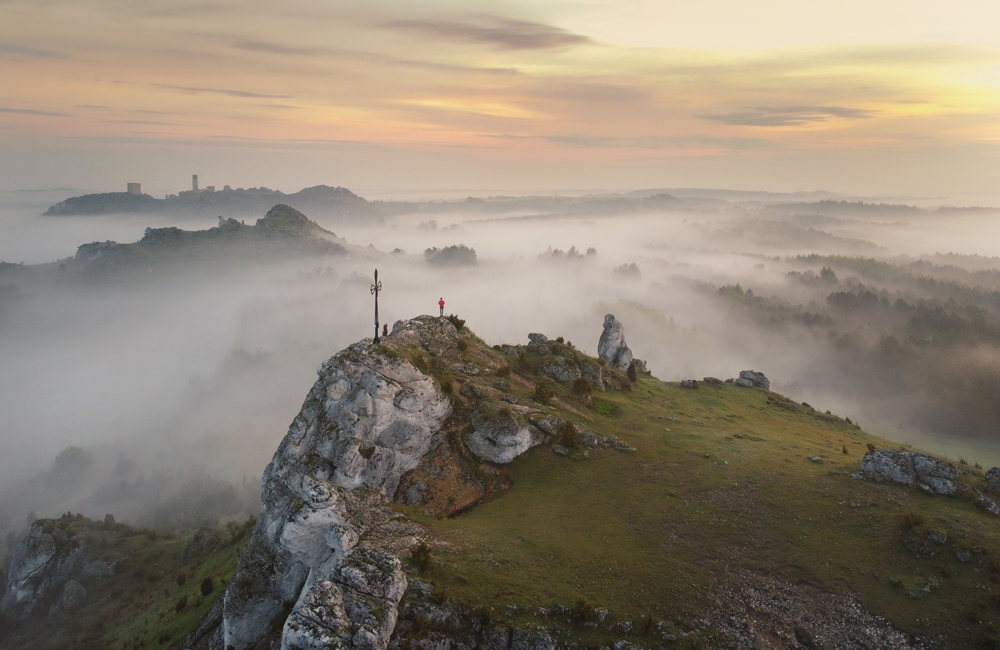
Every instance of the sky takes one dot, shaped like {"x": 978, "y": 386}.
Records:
{"x": 882, "y": 98}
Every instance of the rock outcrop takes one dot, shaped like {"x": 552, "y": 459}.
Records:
{"x": 46, "y": 562}
{"x": 369, "y": 418}
{"x": 398, "y": 421}
{"x": 929, "y": 473}
{"x": 499, "y": 435}
{"x": 612, "y": 347}
{"x": 753, "y": 379}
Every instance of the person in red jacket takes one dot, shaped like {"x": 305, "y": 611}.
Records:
{"x": 441, "y": 306}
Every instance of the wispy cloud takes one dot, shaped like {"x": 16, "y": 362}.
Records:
{"x": 663, "y": 142}
{"x": 501, "y": 33}
{"x": 788, "y": 116}
{"x": 30, "y": 111}
{"x": 272, "y": 48}
{"x": 221, "y": 91}
{"x": 23, "y": 50}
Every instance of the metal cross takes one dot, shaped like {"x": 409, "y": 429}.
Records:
{"x": 375, "y": 289}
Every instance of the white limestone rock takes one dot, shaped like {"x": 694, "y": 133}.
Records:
{"x": 369, "y": 418}
{"x": 499, "y": 435}
{"x": 912, "y": 468}
{"x": 612, "y": 347}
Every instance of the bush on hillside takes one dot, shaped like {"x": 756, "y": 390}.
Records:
{"x": 581, "y": 386}
{"x": 569, "y": 437}
{"x": 421, "y": 557}
{"x": 544, "y": 392}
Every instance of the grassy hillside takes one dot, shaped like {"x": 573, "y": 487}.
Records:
{"x": 155, "y": 597}
{"x": 651, "y": 535}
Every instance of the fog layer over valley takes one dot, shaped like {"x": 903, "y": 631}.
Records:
{"x": 155, "y": 382}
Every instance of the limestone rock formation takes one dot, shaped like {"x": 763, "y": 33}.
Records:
{"x": 499, "y": 435}
{"x": 931, "y": 474}
{"x": 612, "y": 347}
{"x": 46, "y": 562}
{"x": 753, "y": 379}
{"x": 382, "y": 423}
{"x": 368, "y": 419}
{"x": 993, "y": 480}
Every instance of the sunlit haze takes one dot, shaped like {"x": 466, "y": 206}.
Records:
{"x": 879, "y": 98}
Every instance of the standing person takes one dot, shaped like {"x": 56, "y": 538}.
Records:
{"x": 441, "y": 306}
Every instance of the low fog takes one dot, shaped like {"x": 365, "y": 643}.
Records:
{"x": 159, "y": 395}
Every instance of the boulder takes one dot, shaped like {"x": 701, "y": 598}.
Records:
{"x": 713, "y": 380}
{"x": 535, "y": 639}
{"x": 537, "y": 339}
{"x": 987, "y": 504}
{"x": 73, "y": 595}
{"x": 905, "y": 467}
{"x": 592, "y": 373}
{"x": 558, "y": 369}
{"x": 499, "y": 435}
{"x": 689, "y": 383}
{"x": 752, "y": 378}
{"x": 550, "y": 425}
{"x": 993, "y": 480}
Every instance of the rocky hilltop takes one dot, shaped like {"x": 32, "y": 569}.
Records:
{"x": 330, "y": 201}
{"x": 421, "y": 419}
{"x": 282, "y": 232}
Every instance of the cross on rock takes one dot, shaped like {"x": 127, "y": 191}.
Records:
{"x": 375, "y": 289}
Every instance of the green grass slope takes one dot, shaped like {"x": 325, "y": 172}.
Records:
{"x": 727, "y": 487}
{"x": 154, "y": 599}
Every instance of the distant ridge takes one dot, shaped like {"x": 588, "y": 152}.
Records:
{"x": 329, "y": 201}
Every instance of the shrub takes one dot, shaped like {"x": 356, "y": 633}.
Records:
{"x": 581, "y": 612}
{"x": 845, "y": 449}
{"x": 543, "y": 392}
{"x": 420, "y": 556}
{"x": 207, "y": 586}
{"x": 440, "y": 371}
{"x": 504, "y": 370}
{"x": 181, "y": 579}
{"x": 462, "y": 345}
{"x": 182, "y": 604}
{"x": 456, "y": 321}
{"x": 631, "y": 373}
{"x": 910, "y": 520}
{"x": 523, "y": 364}
{"x": 569, "y": 437}
{"x": 581, "y": 387}
{"x": 560, "y": 339}
{"x": 438, "y": 595}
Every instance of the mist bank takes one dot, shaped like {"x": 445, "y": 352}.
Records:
{"x": 176, "y": 369}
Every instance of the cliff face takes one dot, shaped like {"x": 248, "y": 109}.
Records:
{"x": 369, "y": 419}
{"x": 417, "y": 419}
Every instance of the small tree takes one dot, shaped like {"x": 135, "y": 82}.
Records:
{"x": 581, "y": 387}
{"x": 421, "y": 557}
{"x": 207, "y": 586}
{"x": 569, "y": 437}
{"x": 631, "y": 373}
{"x": 543, "y": 392}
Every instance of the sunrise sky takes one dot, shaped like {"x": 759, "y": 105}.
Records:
{"x": 880, "y": 97}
